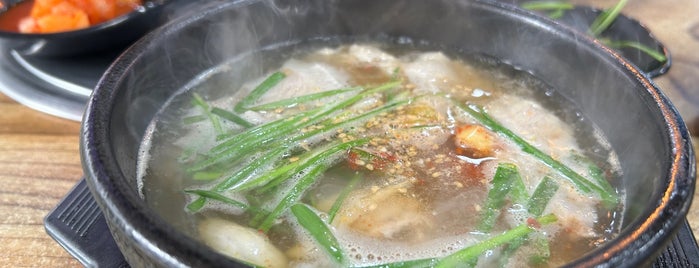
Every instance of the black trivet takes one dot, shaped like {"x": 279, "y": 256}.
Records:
{"x": 78, "y": 225}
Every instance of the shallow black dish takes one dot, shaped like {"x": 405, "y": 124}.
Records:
{"x": 111, "y": 35}
{"x": 640, "y": 123}
{"x": 623, "y": 28}
{"x": 59, "y": 87}
{"x": 55, "y": 73}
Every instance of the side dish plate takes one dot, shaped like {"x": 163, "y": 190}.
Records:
{"x": 59, "y": 87}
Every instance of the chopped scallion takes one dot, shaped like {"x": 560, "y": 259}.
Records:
{"x": 541, "y": 197}
{"x": 319, "y": 231}
{"x": 260, "y": 90}
{"x": 502, "y": 183}
{"x": 293, "y": 196}
{"x": 301, "y": 99}
{"x": 473, "y": 252}
{"x": 342, "y": 196}
{"x": 231, "y": 117}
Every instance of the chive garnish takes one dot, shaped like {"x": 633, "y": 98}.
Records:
{"x": 260, "y": 90}
{"x": 246, "y": 171}
{"x": 231, "y": 117}
{"x": 294, "y": 195}
{"x": 547, "y": 5}
{"x": 319, "y": 231}
{"x": 221, "y": 198}
{"x": 632, "y": 44}
{"x": 541, "y": 197}
{"x": 609, "y": 198}
{"x": 282, "y": 173}
{"x": 342, "y": 196}
{"x": 255, "y": 138}
{"x": 519, "y": 192}
{"x": 555, "y": 9}
{"x": 469, "y": 255}
{"x": 502, "y": 183}
{"x": 601, "y": 23}
{"x": 473, "y": 252}
{"x": 247, "y": 142}
{"x": 206, "y": 175}
{"x": 193, "y": 119}
{"x": 199, "y": 101}
{"x": 291, "y": 102}
{"x": 604, "y": 20}
{"x": 421, "y": 263}
{"x": 542, "y": 252}
{"x": 595, "y": 172}
{"x": 535, "y": 206}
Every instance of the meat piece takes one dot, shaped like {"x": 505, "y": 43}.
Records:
{"x": 430, "y": 73}
{"x": 386, "y": 213}
{"x": 364, "y": 65}
{"x": 303, "y": 78}
{"x": 375, "y": 56}
{"x": 474, "y": 141}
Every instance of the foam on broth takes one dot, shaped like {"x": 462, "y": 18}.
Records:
{"x": 421, "y": 192}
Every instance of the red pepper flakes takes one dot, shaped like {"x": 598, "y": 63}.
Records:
{"x": 383, "y": 159}
{"x": 533, "y": 223}
{"x": 352, "y": 159}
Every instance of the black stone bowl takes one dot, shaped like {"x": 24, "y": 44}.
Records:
{"x": 641, "y": 124}
{"x": 112, "y": 35}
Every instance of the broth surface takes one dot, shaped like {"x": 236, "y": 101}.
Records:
{"x": 407, "y": 171}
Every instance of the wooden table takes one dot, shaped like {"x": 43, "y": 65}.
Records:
{"x": 39, "y": 164}
{"x": 39, "y": 158}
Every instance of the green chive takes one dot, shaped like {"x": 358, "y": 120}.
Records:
{"x": 658, "y": 56}
{"x": 604, "y": 20}
{"x": 310, "y": 221}
{"x": 206, "y": 176}
{"x": 291, "y": 102}
{"x": 199, "y": 101}
{"x": 583, "y": 184}
{"x": 224, "y": 199}
{"x": 421, "y": 263}
{"x": 193, "y": 119}
{"x": 293, "y": 196}
{"x": 547, "y": 5}
{"x": 231, "y": 117}
{"x": 473, "y": 252}
{"x": 519, "y": 192}
{"x": 541, "y": 197}
{"x": 278, "y": 175}
{"x": 260, "y": 90}
{"x": 502, "y": 183}
{"x": 343, "y": 195}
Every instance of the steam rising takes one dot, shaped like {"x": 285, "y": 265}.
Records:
{"x": 217, "y": 32}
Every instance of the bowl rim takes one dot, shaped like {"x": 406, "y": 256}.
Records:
{"x": 653, "y": 228}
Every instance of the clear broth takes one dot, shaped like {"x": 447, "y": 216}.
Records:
{"x": 455, "y": 204}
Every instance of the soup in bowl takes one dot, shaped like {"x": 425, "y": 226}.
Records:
{"x": 327, "y": 134}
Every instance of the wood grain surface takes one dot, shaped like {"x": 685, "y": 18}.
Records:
{"x": 39, "y": 158}
{"x": 39, "y": 164}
